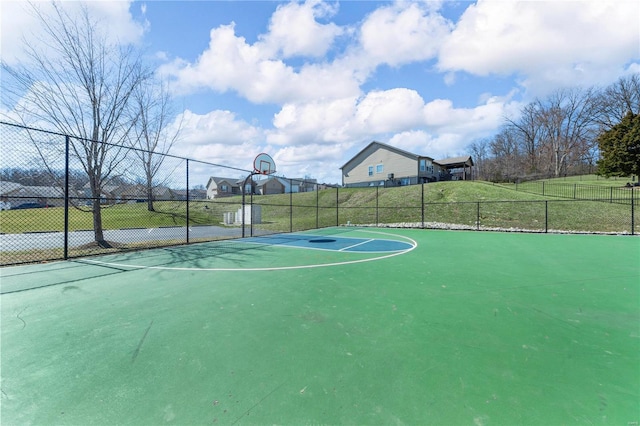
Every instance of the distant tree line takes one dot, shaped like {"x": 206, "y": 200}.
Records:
{"x": 78, "y": 179}
{"x": 42, "y": 177}
{"x": 562, "y": 134}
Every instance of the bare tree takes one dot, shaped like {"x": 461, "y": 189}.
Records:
{"x": 79, "y": 83}
{"x": 566, "y": 119}
{"x": 528, "y": 132}
{"x": 558, "y": 134}
{"x": 479, "y": 151}
{"x": 504, "y": 149}
{"x": 617, "y": 100}
{"x": 152, "y": 136}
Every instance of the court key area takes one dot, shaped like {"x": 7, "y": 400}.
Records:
{"x": 345, "y": 325}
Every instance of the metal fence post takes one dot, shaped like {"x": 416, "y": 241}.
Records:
{"x": 187, "y": 201}
{"x": 478, "y": 216}
{"x": 317, "y": 206}
{"x": 290, "y": 205}
{"x": 377, "y": 206}
{"x": 546, "y": 216}
{"x": 337, "y": 206}
{"x": 66, "y": 197}
{"x": 422, "y": 205}
{"x": 633, "y": 225}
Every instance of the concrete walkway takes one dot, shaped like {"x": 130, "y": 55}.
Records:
{"x": 52, "y": 240}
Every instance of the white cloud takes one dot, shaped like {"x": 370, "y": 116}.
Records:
{"x": 397, "y": 116}
{"x": 435, "y": 146}
{"x": 548, "y": 43}
{"x": 398, "y": 34}
{"x": 294, "y": 30}
{"x": 416, "y": 141}
{"x": 217, "y": 137}
{"x": 314, "y": 122}
{"x": 217, "y": 127}
{"x": 402, "y": 33}
{"x": 317, "y": 161}
{"x": 390, "y": 110}
{"x": 18, "y": 22}
{"x": 231, "y": 64}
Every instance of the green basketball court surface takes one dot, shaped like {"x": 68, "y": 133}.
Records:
{"x": 338, "y": 326}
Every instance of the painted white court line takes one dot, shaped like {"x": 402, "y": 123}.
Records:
{"x": 294, "y": 247}
{"x": 356, "y": 245}
{"x": 413, "y": 243}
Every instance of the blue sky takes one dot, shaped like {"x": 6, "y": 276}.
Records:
{"x": 312, "y": 83}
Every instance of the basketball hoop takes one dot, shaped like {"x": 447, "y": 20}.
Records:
{"x": 264, "y": 164}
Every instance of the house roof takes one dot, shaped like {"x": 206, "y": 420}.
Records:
{"x": 389, "y": 148}
{"x": 263, "y": 182}
{"x": 456, "y": 161}
{"x": 232, "y": 181}
{"x": 18, "y": 190}
{"x": 7, "y": 187}
{"x": 43, "y": 191}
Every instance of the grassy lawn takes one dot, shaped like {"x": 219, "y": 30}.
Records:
{"x": 119, "y": 216}
{"x": 450, "y": 202}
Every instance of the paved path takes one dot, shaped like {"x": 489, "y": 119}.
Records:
{"x": 50, "y": 240}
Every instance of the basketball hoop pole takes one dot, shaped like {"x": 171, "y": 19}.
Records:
{"x": 244, "y": 190}
{"x": 263, "y": 164}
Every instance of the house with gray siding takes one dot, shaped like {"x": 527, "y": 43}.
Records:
{"x": 379, "y": 164}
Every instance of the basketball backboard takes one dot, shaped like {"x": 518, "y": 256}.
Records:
{"x": 264, "y": 164}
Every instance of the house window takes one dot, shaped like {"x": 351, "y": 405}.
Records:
{"x": 370, "y": 170}
{"x": 379, "y": 168}
{"x": 426, "y": 166}
{"x": 224, "y": 188}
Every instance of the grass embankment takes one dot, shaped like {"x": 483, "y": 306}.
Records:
{"x": 491, "y": 206}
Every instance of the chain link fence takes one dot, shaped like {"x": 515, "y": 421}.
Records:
{"x": 55, "y": 206}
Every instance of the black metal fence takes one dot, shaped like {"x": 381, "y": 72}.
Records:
{"x": 49, "y": 210}
{"x": 621, "y": 194}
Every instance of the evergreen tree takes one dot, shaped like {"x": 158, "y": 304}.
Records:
{"x": 620, "y": 148}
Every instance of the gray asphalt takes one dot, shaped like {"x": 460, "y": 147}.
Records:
{"x": 50, "y": 240}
